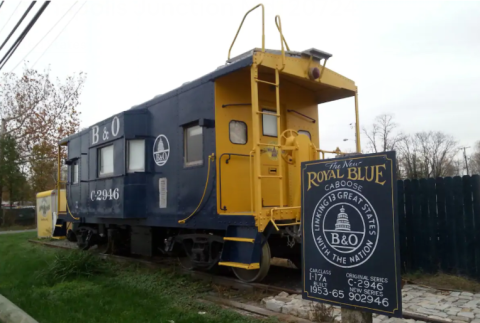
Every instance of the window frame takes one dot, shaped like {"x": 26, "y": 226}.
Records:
{"x": 185, "y": 138}
{"x": 75, "y": 165}
{"x": 300, "y": 132}
{"x": 127, "y": 163}
{"x": 263, "y": 122}
{"x": 99, "y": 161}
{"x": 246, "y": 132}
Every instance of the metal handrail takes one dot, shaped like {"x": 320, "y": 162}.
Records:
{"x": 337, "y": 151}
{"x": 59, "y": 179}
{"x": 241, "y": 24}
{"x": 282, "y": 39}
{"x": 280, "y": 30}
{"x": 303, "y": 115}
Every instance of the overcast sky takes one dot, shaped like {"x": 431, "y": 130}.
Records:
{"x": 419, "y": 60}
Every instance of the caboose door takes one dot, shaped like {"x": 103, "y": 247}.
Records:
{"x": 270, "y": 157}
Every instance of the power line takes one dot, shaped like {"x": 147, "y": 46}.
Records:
{"x": 18, "y": 5}
{"x": 64, "y": 27}
{"x": 1, "y": 4}
{"x": 18, "y": 23}
{"x": 45, "y": 35}
{"x": 23, "y": 35}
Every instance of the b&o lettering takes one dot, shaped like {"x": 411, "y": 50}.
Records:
{"x": 94, "y": 135}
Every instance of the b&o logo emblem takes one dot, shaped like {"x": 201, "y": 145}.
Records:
{"x": 161, "y": 150}
{"x": 345, "y": 228}
{"x": 44, "y": 206}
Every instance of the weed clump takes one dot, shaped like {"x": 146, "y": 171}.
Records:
{"x": 71, "y": 265}
{"x": 322, "y": 313}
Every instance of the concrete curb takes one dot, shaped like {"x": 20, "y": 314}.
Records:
{"x": 10, "y": 313}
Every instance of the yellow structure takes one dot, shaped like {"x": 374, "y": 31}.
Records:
{"x": 263, "y": 176}
{"x": 47, "y": 204}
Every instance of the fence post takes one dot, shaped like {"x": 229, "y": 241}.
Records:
{"x": 476, "y": 214}
{"x": 402, "y": 224}
{"x": 442, "y": 242}
{"x": 469, "y": 227}
{"x": 450, "y": 217}
{"x": 409, "y": 261}
{"x": 417, "y": 225}
{"x": 432, "y": 225}
{"x": 426, "y": 262}
{"x": 459, "y": 225}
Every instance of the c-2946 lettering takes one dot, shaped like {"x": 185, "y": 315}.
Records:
{"x": 105, "y": 194}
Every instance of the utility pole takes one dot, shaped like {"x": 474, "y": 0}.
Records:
{"x": 465, "y": 157}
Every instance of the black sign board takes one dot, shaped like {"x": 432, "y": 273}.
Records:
{"x": 351, "y": 254}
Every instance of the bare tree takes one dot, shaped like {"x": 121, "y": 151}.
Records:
{"x": 456, "y": 168}
{"x": 474, "y": 163}
{"x": 383, "y": 134}
{"x": 428, "y": 154}
{"x": 438, "y": 150}
{"x": 409, "y": 159}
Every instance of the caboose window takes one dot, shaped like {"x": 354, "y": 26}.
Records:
{"x": 193, "y": 146}
{"x": 306, "y": 133}
{"x": 75, "y": 173}
{"x": 238, "y": 132}
{"x": 136, "y": 156}
{"x": 269, "y": 124}
{"x": 106, "y": 161}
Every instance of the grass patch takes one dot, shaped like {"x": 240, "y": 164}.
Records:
{"x": 445, "y": 281}
{"x": 53, "y": 286}
{"x": 72, "y": 265}
{"x": 18, "y": 227}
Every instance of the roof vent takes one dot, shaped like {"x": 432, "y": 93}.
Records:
{"x": 317, "y": 54}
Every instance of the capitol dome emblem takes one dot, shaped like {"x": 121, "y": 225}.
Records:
{"x": 161, "y": 150}
{"x": 345, "y": 228}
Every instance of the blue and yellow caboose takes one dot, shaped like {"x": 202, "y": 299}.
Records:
{"x": 210, "y": 169}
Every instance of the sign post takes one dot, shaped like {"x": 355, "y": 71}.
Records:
{"x": 351, "y": 255}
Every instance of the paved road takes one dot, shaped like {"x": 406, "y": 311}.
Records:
{"x": 17, "y": 231}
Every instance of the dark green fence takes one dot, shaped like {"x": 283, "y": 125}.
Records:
{"x": 23, "y": 216}
{"x": 440, "y": 225}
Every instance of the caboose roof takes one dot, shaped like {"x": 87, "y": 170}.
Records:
{"x": 234, "y": 64}
{"x": 246, "y": 59}
{"x": 231, "y": 66}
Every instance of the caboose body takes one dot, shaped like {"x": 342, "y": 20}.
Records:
{"x": 211, "y": 169}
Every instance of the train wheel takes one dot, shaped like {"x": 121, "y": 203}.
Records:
{"x": 87, "y": 238}
{"x": 71, "y": 236}
{"x": 185, "y": 262}
{"x": 256, "y": 275}
{"x": 84, "y": 238}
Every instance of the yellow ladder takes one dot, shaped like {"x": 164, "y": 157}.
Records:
{"x": 262, "y": 219}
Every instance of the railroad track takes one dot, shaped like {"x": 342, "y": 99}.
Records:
{"x": 226, "y": 282}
